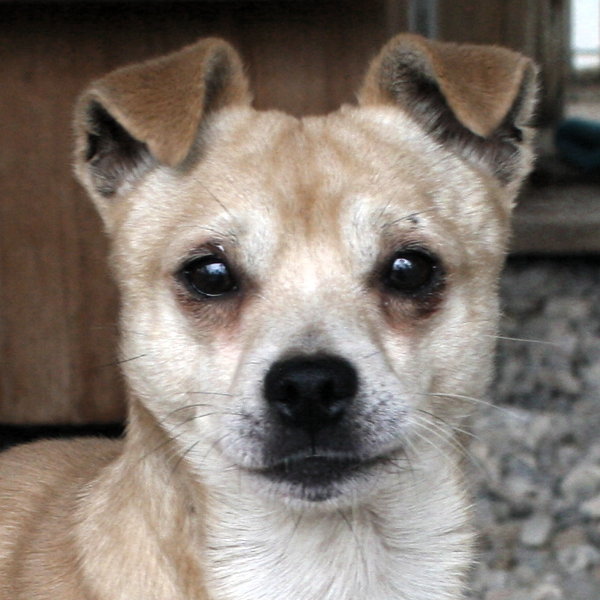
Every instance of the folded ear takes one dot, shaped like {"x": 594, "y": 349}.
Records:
{"x": 476, "y": 99}
{"x": 148, "y": 114}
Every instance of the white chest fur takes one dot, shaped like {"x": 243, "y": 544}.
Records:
{"x": 408, "y": 542}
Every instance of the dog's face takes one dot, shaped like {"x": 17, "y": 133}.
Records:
{"x": 306, "y": 302}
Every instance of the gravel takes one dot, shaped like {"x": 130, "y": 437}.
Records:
{"x": 535, "y": 454}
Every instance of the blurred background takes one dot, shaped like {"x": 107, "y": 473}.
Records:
{"x": 535, "y": 453}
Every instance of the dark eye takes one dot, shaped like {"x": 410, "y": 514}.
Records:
{"x": 209, "y": 277}
{"x": 412, "y": 272}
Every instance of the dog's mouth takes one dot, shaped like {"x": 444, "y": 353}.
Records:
{"x": 319, "y": 477}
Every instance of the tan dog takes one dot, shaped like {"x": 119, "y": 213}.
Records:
{"x": 309, "y": 312}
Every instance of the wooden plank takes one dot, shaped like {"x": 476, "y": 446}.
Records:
{"x": 553, "y": 55}
{"x": 57, "y": 302}
{"x": 472, "y": 21}
{"x": 557, "y": 219}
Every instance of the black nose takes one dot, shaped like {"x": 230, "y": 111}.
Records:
{"x": 312, "y": 391}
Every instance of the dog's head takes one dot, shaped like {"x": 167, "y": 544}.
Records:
{"x": 306, "y": 301}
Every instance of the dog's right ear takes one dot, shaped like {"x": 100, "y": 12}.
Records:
{"x": 149, "y": 114}
{"x": 476, "y": 100}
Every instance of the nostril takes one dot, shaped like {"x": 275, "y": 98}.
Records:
{"x": 311, "y": 391}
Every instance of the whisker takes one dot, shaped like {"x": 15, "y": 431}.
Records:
{"x": 204, "y": 415}
{"x": 407, "y": 448}
{"x": 195, "y": 404}
{"x": 441, "y": 434}
{"x": 524, "y": 340}
{"x": 182, "y": 456}
{"x": 214, "y": 444}
{"x": 116, "y": 363}
{"x": 384, "y": 209}
{"x": 450, "y": 439}
{"x": 221, "y": 394}
{"x": 357, "y": 543}
{"x": 411, "y": 216}
{"x": 448, "y": 425}
{"x": 425, "y": 439}
{"x": 398, "y": 466}
{"x": 428, "y": 427}
{"x": 169, "y": 440}
{"x": 503, "y": 409}
{"x": 164, "y": 420}
{"x": 219, "y": 202}
{"x": 293, "y": 532}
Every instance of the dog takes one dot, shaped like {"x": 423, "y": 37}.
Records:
{"x": 309, "y": 310}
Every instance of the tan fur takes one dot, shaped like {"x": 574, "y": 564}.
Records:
{"x": 169, "y": 125}
{"x": 308, "y": 212}
{"x": 480, "y": 83}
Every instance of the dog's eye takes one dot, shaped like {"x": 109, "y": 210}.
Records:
{"x": 412, "y": 272}
{"x": 209, "y": 277}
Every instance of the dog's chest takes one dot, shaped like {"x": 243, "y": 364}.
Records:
{"x": 334, "y": 557}
{"x": 321, "y": 562}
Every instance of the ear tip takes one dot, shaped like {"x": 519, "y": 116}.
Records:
{"x": 413, "y": 41}
{"x": 209, "y": 46}
{"x": 408, "y": 40}
{"x": 473, "y": 96}
{"x": 149, "y": 112}
{"x": 495, "y": 69}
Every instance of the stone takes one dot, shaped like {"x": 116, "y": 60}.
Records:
{"x": 498, "y": 595}
{"x": 567, "y": 456}
{"x": 519, "y": 491}
{"x": 568, "y": 307}
{"x": 591, "y": 375}
{"x": 525, "y": 575}
{"x": 573, "y": 536}
{"x": 547, "y": 591}
{"x": 582, "y": 482}
{"x": 496, "y": 578}
{"x": 563, "y": 381}
{"x": 542, "y": 428}
{"x": 538, "y": 493}
{"x": 536, "y": 530}
{"x": 591, "y": 508}
{"x": 574, "y": 559}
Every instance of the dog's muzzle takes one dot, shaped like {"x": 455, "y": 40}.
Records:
{"x": 313, "y": 442}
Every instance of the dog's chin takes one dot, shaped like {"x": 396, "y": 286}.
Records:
{"x": 319, "y": 479}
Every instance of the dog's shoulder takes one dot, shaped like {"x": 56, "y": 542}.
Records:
{"x": 40, "y": 464}
{"x": 29, "y": 473}
{"x": 40, "y": 483}
{"x": 34, "y": 475}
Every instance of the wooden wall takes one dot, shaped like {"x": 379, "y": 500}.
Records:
{"x": 57, "y": 302}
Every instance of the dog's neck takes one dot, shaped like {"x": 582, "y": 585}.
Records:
{"x": 409, "y": 540}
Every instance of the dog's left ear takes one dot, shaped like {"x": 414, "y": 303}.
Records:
{"x": 149, "y": 114}
{"x": 478, "y": 100}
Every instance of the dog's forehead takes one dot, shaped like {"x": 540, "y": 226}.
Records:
{"x": 353, "y": 177}
{"x": 306, "y": 172}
